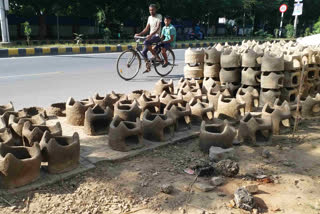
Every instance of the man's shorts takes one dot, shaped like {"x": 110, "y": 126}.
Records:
{"x": 154, "y": 39}
{"x": 166, "y": 46}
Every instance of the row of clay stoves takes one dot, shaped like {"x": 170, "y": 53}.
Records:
{"x": 27, "y": 144}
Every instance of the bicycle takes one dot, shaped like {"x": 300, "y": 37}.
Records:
{"x": 129, "y": 61}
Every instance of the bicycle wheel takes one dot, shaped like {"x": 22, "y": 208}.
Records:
{"x": 128, "y": 64}
{"x": 167, "y": 70}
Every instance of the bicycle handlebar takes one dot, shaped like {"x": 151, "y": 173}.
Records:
{"x": 140, "y": 37}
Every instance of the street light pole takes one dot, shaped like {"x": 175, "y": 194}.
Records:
{"x": 3, "y": 22}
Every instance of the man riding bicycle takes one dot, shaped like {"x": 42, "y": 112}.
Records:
{"x": 154, "y": 27}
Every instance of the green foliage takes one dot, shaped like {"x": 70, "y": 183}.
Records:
{"x": 78, "y": 38}
{"x": 316, "y": 27}
{"x": 276, "y": 33}
{"x": 106, "y": 34}
{"x": 113, "y": 13}
{"x": 27, "y": 31}
{"x": 101, "y": 17}
{"x": 307, "y": 32}
{"x": 289, "y": 30}
{"x": 262, "y": 33}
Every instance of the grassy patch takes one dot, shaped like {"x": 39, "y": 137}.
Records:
{"x": 71, "y": 44}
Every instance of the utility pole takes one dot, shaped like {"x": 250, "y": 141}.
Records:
{"x": 4, "y": 6}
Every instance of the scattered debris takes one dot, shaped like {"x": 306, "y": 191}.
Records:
{"x": 217, "y": 153}
{"x": 167, "y": 188}
{"x": 217, "y": 181}
{"x": 252, "y": 188}
{"x": 203, "y": 187}
{"x": 227, "y": 168}
{"x": 266, "y": 153}
{"x": 189, "y": 171}
{"x": 243, "y": 199}
{"x": 204, "y": 170}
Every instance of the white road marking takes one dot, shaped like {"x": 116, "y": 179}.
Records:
{"x": 31, "y": 75}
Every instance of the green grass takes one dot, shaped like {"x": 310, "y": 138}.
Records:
{"x": 214, "y": 40}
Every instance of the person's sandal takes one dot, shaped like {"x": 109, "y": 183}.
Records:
{"x": 165, "y": 65}
{"x": 146, "y": 71}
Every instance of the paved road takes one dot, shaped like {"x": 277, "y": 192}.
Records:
{"x": 40, "y": 81}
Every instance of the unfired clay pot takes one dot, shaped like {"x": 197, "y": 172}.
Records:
{"x": 250, "y": 98}
{"x": 311, "y": 107}
{"x": 97, "y": 120}
{"x": 212, "y": 56}
{"x": 230, "y": 75}
{"x": 250, "y": 126}
{"x": 268, "y": 96}
{"x": 272, "y": 80}
{"x": 251, "y": 76}
{"x": 278, "y": 115}
{"x": 125, "y": 135}
{"x": 230, "y": 59}
{"x": 19, "y": 165}
{"x": 5, "y": 108}
{"x": 272, "y": 62}
{"x": 218, "y": 135}
{"x": 180, "y": 112}
{"x": 200, "y": 111}
{"x": 157, "y": 127}
{"x": 127, "y": 110}
{"x": 62, "y": 153}
{"x": 33, "y": 133}
{"x": 75, "y": 111}
{"x": 57, "y": 109}
{"x": 6, "y": 137}
{"x": 230, "y": 107}
{"x": 194, "y": 56}
{"x": 162, "y": 85}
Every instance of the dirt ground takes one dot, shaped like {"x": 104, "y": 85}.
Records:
{"x": 133, "y": 186}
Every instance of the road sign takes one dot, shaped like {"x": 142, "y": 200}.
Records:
{"x": 283, "y": 8}
{"x": 298, "y": 8}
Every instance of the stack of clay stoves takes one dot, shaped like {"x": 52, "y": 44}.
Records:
{"x": 311, "y": 84}
{"x": 250, "y": 79}
{"x": 193, "y": 69}
{"x": 292, "y": 76}
{"x": 272, "y": 78}
{"x": 230, "y": 73}
{"x": 211, "y": 69}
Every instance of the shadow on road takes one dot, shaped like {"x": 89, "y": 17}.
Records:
{"x": 88, "y": 57}
{"x": 156, "y": 78}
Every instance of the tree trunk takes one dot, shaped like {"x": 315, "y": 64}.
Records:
{"x": 42, "y": 26}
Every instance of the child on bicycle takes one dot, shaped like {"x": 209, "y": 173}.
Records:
{"x": 168, "y": 37}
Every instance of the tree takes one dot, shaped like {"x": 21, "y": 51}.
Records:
{"x": 27, "y": 31}
{"x": 316, "y": 27}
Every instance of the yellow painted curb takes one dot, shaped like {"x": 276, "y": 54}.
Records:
{"x": 13, "y": 52}
{"x": 89, "y": 49}
{"x": 46, "y": 50}
{"x": 113, "y": 48}
{"x": 62, "y": 50}
{"x": 30, "y": 51}
{"x": 124, "y": 47}
{"x": 75, "y": 50}
{"x": 102, "y": 49}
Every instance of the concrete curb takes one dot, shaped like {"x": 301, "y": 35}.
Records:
{"x": 21, "y": 52}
